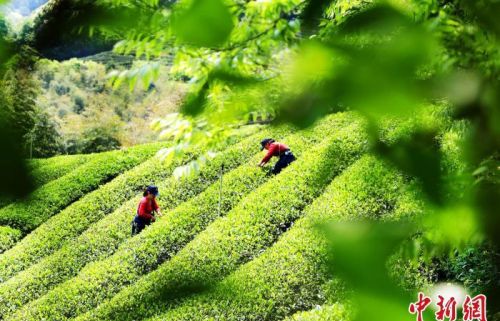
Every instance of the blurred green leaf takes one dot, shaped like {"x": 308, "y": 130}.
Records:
{"x": 194, "y": 103}
{"x": 312, "y": 13}
{"x": 419, "y": 157}
{"x": 359, "y": 254}
{"x": 486, "y": 12}
{"x": 205, "y": 23}
{"x": 452, "y": 228}
{"x": 356, "y": 245}
{"x": 371, "y": 65}
{"x": 380, "y": 19}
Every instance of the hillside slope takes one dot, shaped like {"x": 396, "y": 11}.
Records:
{"x": 256, "y": 257}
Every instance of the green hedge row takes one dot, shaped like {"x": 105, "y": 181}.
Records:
{"x": 58, "y": 167}
{"x": 8, "y": 237}
{"x": 51, "y": 170}
{"x": 36, "y": 163}
{"x": 252, "y": 226}
{"x": 55, "y": 195}
{"x": 79, "y": 215}
{"x": 139, "y": 255}
{"x": 329, "y": 312}
{"x": 104, "y": 237}
{"x": 293, "y": 274}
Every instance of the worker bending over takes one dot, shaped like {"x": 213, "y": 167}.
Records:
{"x": 146, "y": 209}
{"x": 280, "y": 150}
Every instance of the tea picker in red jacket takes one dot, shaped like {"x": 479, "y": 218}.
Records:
{"x": 146, "y": 210}
{"x": 280, "y": 150}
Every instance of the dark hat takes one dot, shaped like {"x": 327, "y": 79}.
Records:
{"x": 265, "y": 141}
{"x": 152, "y": 190}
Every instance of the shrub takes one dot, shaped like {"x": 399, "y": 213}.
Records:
{"x": 8, "y": 237}
{"x": 141, "y": 254}
{"x": 100, "y": 138}
{"x": 293, "y": 274}
{"x": 54, "y": 196}
{"x": 249, "y": 228}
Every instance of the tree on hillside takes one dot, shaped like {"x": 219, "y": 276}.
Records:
{"x": 21, "y": 92}
{"x": 15, "y": 180}
{"x": 44, "y": 139}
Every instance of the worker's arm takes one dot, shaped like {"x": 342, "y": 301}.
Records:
{"x": 268, "y": 156}
{"x": 156, "y": 208}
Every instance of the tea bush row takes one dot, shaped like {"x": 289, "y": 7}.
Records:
{"x": 105, "y": 236}
{"x": 57, "y": 194}
{"x": 79, "y": 215}
{"x": 329, "y": 312}
{"x": 57, "y": 167}
{"x": 293, "y": 274}
{"x": 247, "y": 230}
{"x": 140, "y": 255}
{"x": 41, "y": 175}
{"x": 37, "y": 163}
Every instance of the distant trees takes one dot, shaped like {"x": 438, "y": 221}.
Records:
{"x": 44, "y": 139}
{"x": 88, "y": 115}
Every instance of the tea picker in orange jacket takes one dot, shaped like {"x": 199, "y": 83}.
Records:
{"x": 280, "y": 150}
{"x": 146, "y": 209}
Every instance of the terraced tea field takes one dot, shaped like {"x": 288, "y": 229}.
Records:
{"x": 68, "y": 253}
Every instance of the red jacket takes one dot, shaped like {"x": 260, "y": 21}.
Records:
{"x": 146, "y": 208}
{"x": 275, "y": 149}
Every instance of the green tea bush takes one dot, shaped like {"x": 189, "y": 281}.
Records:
{"x": 54, "y": 196}
{"x": 104, "y": 237}
{"x": 247, "y": 230}
{"x": 78, "y": 216}
{"x": 36, "y": 163}
{"x": 293, "y": 274}
{"x": 8, "y": 237}
{"x": 57, "y": 167}
{"x": 53, "y": 169}
{"x": 139, "y": 255}
{"x": 333, "y": 312}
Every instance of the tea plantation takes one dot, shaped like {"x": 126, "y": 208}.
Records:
{"x": 244, "y": 246}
